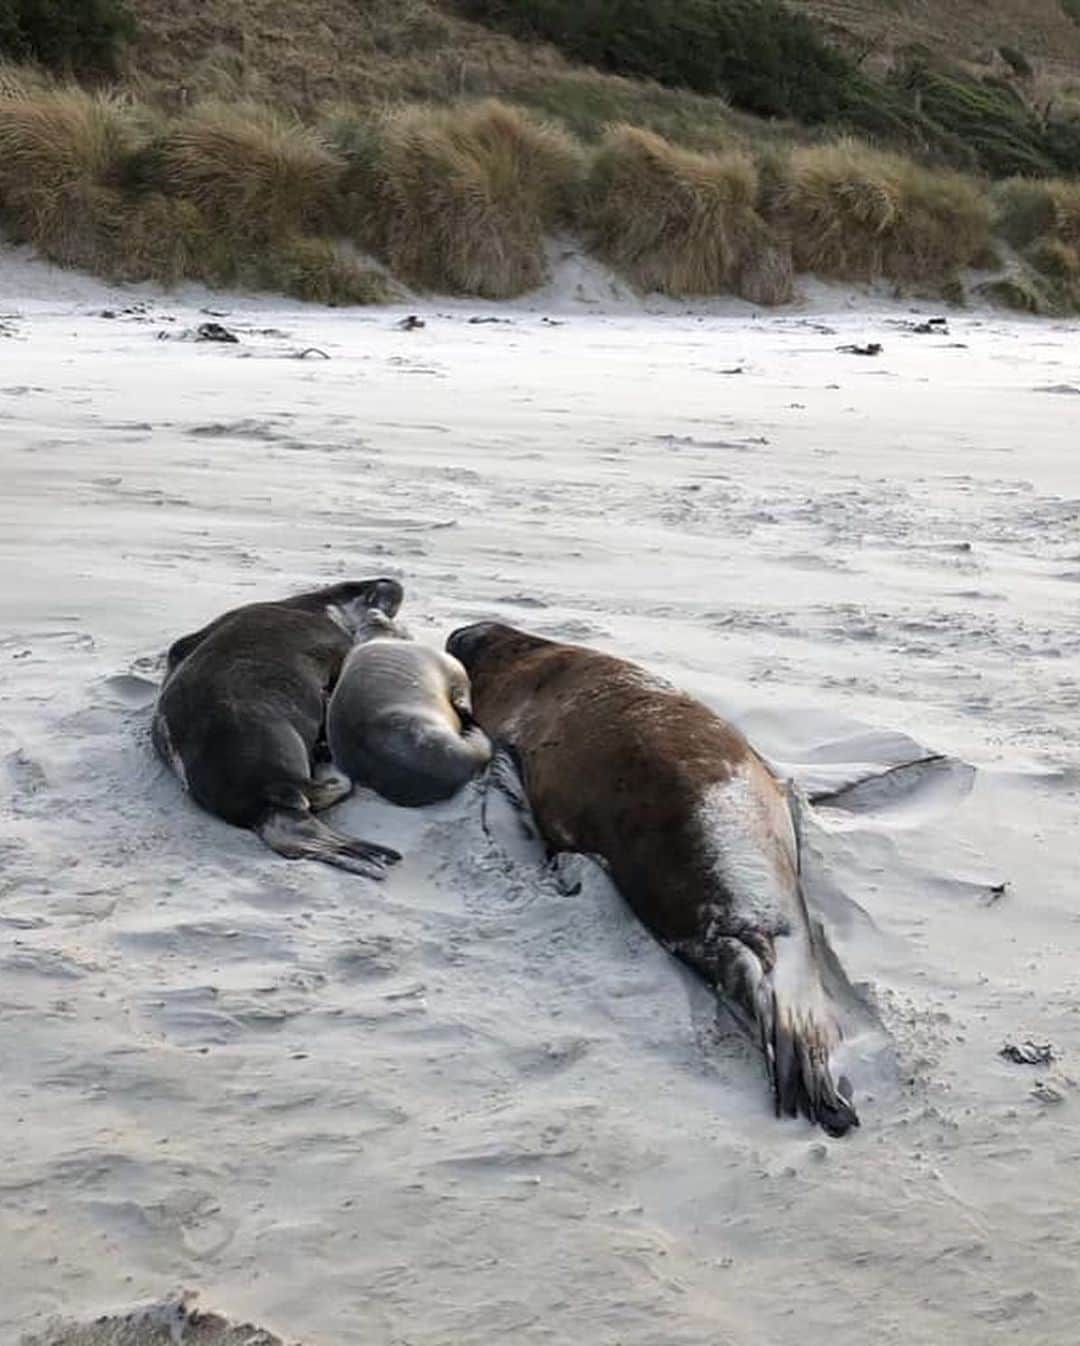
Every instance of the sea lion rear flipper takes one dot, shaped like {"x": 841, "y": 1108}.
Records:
{"x": 802, "y": 1033}
{"x": 297, "y": 835}
{"x": 792, "y": 1022}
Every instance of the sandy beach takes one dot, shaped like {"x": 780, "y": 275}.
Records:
{"x": 467, "y": 1106}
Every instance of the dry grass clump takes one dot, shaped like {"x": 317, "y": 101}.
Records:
{"x": 1042, "y": 219}
{"x": 463, "y": 197}
{"x": 250, "y": 170}
{"x": 160, "y": 238}
{"x": 318, "y": 270}
{"x": 222, "y": 197}
{"x": 62, "y": 157}
{"x": 17, "y": 81}
{"x": 856, "y": 213}
{"x": 681, "y": 222}
{"x": 1029, "y": 209}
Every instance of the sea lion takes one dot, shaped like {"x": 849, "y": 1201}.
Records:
{"x": 400, "y": 718}
{"x": 241, "y": 712}
{"x": 697, "y": 832}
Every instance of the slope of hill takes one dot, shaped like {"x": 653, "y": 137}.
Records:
{"x": 369, "y": 50}
{"x": 200, "y": 168}
{"x": 962, "y": 30}
{"x": 365, "y": 51}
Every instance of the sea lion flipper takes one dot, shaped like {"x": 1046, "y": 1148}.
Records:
{"x": 792, "y": 1024}
{"x": 298, "y": 835}
{"x": 504, "y": 777}
{"x": 802, "y": 1077}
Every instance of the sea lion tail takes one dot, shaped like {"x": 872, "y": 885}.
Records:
{"x": 289, "y": 827}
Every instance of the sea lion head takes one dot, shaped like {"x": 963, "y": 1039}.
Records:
{"x": 492, "y": 655}
{"x": 353, "y": 602}
{"x": 484, "y": 644}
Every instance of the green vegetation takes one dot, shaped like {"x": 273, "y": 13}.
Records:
{"x": 773, "y": 62}
{"x": 1041, "y": 219}
{"x": 768, "y": 59}
{"x": 990, "y": 124}
{"x": 66, "y": 35}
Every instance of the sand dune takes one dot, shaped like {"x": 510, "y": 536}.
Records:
{"x": 471, "y": 1104}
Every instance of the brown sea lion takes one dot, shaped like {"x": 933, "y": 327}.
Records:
{"x": 697, "y": 832}
{"x": 241, "y": 714}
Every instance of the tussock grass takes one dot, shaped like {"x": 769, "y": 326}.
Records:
{"x": 462, "y": 198}
{"x": 320, "y": 271}
{"x": 17, "y": 81}
{"x": 1041, "y": 218}
{"x": 62, "y": 155}
{"x": 221, "y": 197}
{"x": 251, "y": 171}
{"x": 680, "y": 222}
{"x": 1030, "y": 209}
{"x": 160, "y": 238}
{"x": 855, "y": 214}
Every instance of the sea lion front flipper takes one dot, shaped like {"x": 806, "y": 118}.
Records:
{"x": 504, "y": 778}
{"x": 506, "y": 815}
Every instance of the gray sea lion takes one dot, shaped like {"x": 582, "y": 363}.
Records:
{"x": 697, "y": 833}
{"x": 241, "y": 712}
{"x": 400, "y": 718}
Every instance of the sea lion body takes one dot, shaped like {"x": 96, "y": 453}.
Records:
{"x": 241, "y": 713}
{"x": 400, "y": 719}
{"x": 695, "y": 829}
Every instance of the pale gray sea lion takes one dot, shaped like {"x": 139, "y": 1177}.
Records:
{"x": 400, "y": 719}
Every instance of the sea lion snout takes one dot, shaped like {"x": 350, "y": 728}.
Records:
{"x": 384, "y": 594}
{"x": 375, "y": 624}
{"x": 357, "y": 602}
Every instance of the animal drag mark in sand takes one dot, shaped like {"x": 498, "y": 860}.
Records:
{"x": 400, "y": 719}
{"x": 697, "y": 833}
{"x": 241, "y": 712}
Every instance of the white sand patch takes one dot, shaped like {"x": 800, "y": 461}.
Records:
{"x": 468, "y": 1106}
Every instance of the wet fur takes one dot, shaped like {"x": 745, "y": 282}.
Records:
{"x": 695, "y": 829}
{"x": 241, "y": 712}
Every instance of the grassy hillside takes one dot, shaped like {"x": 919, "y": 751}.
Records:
{"x": 244, "y": 142}
{"x": 972, "y": 31}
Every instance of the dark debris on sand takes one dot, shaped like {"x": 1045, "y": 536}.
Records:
{"x": 1028, "y": 1053}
